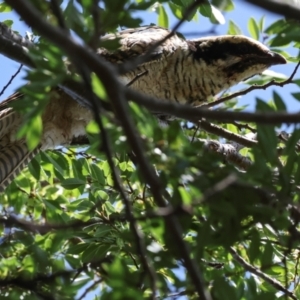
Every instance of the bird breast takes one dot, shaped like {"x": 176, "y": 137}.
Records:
{"x": 63, "y": 120}
{"x": 178, "y": 77}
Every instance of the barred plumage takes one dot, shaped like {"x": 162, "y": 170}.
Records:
{"x": 177, "y": 70}
{"x": 13, "y": 160}
{"x": 189, "y": 71}
{"x": 63, "y": 120}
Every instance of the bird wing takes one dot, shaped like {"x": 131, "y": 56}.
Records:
{"x": 138, "y": 41}
{"x": 14, "y": 154}
{"x": 13, "y": 158}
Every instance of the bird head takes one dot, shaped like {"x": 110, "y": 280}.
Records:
{"x": 233, "y": 58}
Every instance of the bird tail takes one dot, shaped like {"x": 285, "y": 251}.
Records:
{"x": 13, "y": 158}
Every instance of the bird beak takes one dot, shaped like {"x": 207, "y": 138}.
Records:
{"x": 275, "y": 58}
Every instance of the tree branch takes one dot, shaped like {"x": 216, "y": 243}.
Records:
{"x": 14, "y": 46}
{"x": 277, "y": 285}
{"x": 115, "y": 92}
{"x": 229, "y": 152}
{"x": 214, "y": 129}
{"x": 106, "y": 145}
{"x": 279, "y": 7}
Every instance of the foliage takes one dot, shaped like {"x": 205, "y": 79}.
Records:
{"x": 67, "y": 230}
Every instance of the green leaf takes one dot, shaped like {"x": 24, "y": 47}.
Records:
{"x": 106, "y": 168}
{"x": 92, "y": 127}
{"x": 205, "y": 10}
{"x": 267, "y": 139}
{"x": 263, "y": 106}
{"x": 217, "y": 16}
{"x": 94, "y": 252}
{"x": 282, "y": 40}
{"x": 163, "y": 19}
{"x": 72, "y": 183}
{"x": 254, "y": 247}
{"x": 48, "y": 158}
{"x": 5, "y": 8}
{"x": 280, "y": 105}
{"x": 35, "y": 168}
{"x": 98, "y": 87}
{"x": 253, "y": 28}
{"x": 261, "y": 24}
{"x": 296, "y": 95}
{"x": 276, "y": 27}
{"x": 266, "y": 135}
{"x": 224, "y": 5}
{"x": 222, "y": 289}
{"x": 185, "y": 196}
{"x": 97, "y": 174}
{"x": 233, "y": 28}
{"x": 8, "y": 22}
{"x": 176, "y": 10}
{"x": 267, "y": 257}
{"x": 289, "y": 151}
{"x": 32, "y": 129}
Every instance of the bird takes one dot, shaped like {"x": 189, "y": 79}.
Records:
{"x": 188, "y": 71}
{"x": 176, "y": 70}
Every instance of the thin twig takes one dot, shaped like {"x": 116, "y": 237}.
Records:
{"x": 194, "y": 114}
{"x": 211, "y": 31}
{"x": 194, "y": 134}
{"x": 58, "y": 14}
{"x": 276, "y": 284}
{"x": 136, "y": 78}
{"x": 95, "y": 11}
{"x": 255, "y": 87}
{"x": 89, "y": 288}
{"x": 106, "y": 145}
{"x": 11, "y": 80}
{"x": 243, "y": 126}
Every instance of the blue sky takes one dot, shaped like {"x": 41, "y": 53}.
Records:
{"x": 240, "y": 16}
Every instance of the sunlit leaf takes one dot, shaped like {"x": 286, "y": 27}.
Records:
{"x": 253, "y": 28}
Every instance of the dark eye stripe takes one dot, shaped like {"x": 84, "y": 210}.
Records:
{"x": 221, "y": 49}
